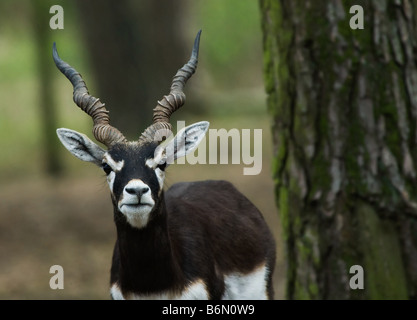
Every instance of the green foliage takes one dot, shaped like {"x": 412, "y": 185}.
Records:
{"x": 232, "y": 46}
{"x": 20, "y": 78}
{"x": 385, "y": 276}
{"x": 230, "y": 61}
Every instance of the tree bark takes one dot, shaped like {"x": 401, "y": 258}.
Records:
{"x": 344, "y": 109}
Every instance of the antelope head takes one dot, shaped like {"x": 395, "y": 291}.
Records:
{"x": 135, "y": 169}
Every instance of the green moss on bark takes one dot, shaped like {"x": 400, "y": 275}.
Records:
{"x": 385, "y": 276}
{"x": 341, "y": 134}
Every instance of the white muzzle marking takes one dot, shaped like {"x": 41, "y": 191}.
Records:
{"x": 136, "y": 203}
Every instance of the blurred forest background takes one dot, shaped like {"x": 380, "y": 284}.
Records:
{"x": 54, "y": 209}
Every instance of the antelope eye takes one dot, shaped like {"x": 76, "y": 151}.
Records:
{"x": 107, "y": 169}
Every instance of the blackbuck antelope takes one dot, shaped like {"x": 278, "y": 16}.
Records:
{"x": 196, "y": 240}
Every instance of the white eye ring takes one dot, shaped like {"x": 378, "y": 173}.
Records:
{"x": 115, "y": 165}
{"x": 160, "y": 175}
{"x": 159, "y": 158}
{"x": 151, "y": 163}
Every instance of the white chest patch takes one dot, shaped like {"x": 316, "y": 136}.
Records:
{"x": 195, "y": 291}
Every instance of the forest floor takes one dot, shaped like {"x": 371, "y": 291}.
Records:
{"x": 68, "y": 221}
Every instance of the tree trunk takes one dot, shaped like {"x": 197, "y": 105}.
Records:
{"x": 135, "y": 49}
{"x": 344, "y": 109}
{"x": 50, "y": 143}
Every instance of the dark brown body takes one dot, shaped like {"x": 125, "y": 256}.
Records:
{"x": 202, "y": 230}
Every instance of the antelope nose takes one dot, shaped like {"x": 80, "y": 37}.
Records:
{"x": 138, "y": 191}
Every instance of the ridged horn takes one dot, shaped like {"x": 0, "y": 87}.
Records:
{"x": 102, "y": 130}
{"x": 174, "y": 100}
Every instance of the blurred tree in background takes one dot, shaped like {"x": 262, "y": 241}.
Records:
{"x": 47, "y": 103}
{"x": 127, "y": 52}
{"x": 69, "y": 220}
{"x": 135, "y": 48}
{"x": 344, "y": 108}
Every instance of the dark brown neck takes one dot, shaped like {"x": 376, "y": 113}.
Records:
{"x": 146, "y": 262}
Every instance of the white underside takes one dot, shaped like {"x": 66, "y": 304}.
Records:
{"x": 250, "y": 286}
{"x": 196, "y": 291}
{"x": 238, "y": 286}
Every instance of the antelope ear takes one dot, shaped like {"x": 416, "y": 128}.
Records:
{"x": 186, "y": 141}
{"x": 81, "y": 146}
